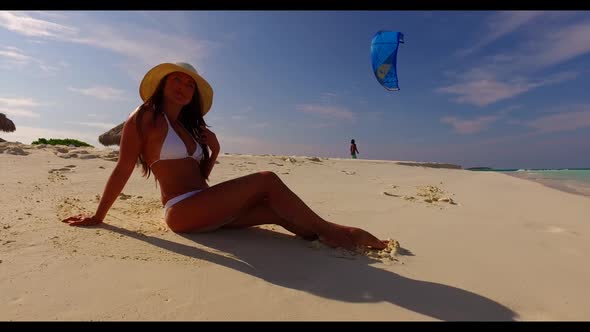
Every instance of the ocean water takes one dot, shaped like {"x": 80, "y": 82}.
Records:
{"x": 573, "y": 180}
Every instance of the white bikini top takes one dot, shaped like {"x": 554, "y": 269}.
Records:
{"x": 174, "y": 148}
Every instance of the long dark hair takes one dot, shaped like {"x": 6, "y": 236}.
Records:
{"x": 190, "y": 117}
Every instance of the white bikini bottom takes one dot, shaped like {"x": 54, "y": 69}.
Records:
{"x": 179, "y": 198}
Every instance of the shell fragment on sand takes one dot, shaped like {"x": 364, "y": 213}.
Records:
{"x": 434, "y": 194}
{"x": 389, "y": 253}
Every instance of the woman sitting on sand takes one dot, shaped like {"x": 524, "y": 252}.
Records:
{"x": 169, "y": 136}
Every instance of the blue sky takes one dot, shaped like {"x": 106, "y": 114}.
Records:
{"x": 478, "y": 88}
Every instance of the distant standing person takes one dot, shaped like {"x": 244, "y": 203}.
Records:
{"x": 353, "y": 149}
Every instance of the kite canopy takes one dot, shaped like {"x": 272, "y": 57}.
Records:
{"x": 384, "y": 58}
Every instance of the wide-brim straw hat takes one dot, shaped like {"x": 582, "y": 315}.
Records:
{"x": 155, "y": 75}
{"x": 6, "y": 124}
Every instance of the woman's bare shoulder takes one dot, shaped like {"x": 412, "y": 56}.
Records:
{"x": 147, "y": 117}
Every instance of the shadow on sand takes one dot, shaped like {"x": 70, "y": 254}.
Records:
{"x": 286, "y": 261}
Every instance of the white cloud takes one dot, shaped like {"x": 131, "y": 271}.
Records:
{"x": 558, "y": 46}
{"x": 104, "y": 93}
{"x": 565, "y": 118}
{"x": 483, "y": 91}
{"x": 146, "y": 45}
{"x": 48, "y": 68}
{"x": 561, "y": 122}
{"x": 18, "y": 102}
{"x": 16, "y": 57}
{"x": 17, "y": 112}
{"x": 501, "y": 24}
{"x": 469, "y": 126}
{"x": 29, "y": 26}
{"x": 472, "y": 126}
{"x": 14, "y": 54}
{"x": 327, "y": 111}
{"x": 50, "y": 14}
{"x": 17, "y": 107}
{"x": 100, "y": 125}
{"x": 507, "y": 74}
{"x": 328, "y": 96}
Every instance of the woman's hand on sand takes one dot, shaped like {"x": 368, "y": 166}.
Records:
{"x": 82, "y": 220}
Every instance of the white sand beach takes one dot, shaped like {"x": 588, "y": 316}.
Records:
{"x": 474, "y": 246}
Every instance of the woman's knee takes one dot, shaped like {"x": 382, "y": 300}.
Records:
{"x": 178, "y": 229}
{"x": 270, "y": 178}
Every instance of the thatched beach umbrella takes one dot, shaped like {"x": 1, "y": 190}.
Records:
{"x": 112, "y": 137}
{"x": 6, "y": 124}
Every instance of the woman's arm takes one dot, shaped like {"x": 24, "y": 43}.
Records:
{"x": 210, "y": 139}
{"x": 128, "y": 153}
{"x": 212, "y": 160}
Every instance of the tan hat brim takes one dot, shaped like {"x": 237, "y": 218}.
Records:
{"x": 154, "y": 76}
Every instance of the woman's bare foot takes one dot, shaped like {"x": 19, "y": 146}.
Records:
{"x": 351, "y": 238}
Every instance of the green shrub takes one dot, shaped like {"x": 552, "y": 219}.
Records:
{"x": 59, "y": 141}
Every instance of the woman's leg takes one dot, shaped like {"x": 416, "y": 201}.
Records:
{"x": 221, "y": 203}
{"x": 262, "y": 214}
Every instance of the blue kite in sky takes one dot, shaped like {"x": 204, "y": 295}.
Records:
{"x": 384, "y": 57}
